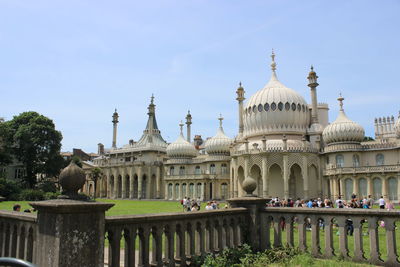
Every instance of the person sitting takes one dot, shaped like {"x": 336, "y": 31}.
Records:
{"x": 17, "y": 207}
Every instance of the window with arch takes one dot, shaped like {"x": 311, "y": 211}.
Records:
{"x": 349, "y": 188}
{"x": 182, "y": 170}
{"x": 356, "y": 160}
{"x": 224, "y": 168}
{"x": 392, "y": 182}
{"x": 224, "y": 191}
{"x": 169, "y": 191}
{"x": 212, "y": 169}
{"x": 184, "y": 189}
{"x": 171, "y": 170}
{"x": 362, "y": 187}
{"x": 377, "y": 186}
{"x": 198, "y": 190}
{"x": 339, "y": 161}
{"x": 197, "y": 170}
{"x": 191, "y": 190}
{"x": 177, "y": 196}
{"x": 380, "y": 159}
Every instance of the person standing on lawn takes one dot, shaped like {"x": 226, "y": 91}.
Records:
{"x": 382, "y": 203}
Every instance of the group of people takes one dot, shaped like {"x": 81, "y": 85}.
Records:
{"x": 17, "y": 207}
{"x": 365, "y": 203}
{"x": 195, "y": 204}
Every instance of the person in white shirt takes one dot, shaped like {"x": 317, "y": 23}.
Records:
{"x": 339, "y": 202}
{"x": 209, "y": 207}
{"x": 381, "y": 203}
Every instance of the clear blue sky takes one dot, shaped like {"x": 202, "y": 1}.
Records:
{"x": 75, "y": 61}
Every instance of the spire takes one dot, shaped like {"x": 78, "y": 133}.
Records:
{"x": 220, "y": 118}
{"x": 340, "y": 99}
{"x": 273, "y": 66}
{"x": 188, "y": 127}
{"x": 181, "y": 127}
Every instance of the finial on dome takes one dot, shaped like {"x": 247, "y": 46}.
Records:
{"x": 152, "y": 99}
{"x": 220, "y": 118}
{"x": 181, "y": 126}
{"x": 340, "y": 99}
{"x": 273, "y": 64}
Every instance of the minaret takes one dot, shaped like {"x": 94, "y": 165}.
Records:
{"x": 312, "y": 83}
{"x": 240, "y": 98}
{"x": 188, "y": 123}
{"x": 115, "y": 122}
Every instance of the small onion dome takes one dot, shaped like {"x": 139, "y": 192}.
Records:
{"x": 343, "y": 129}
{"x": 397, "y": 126}
{"x": 219, "y": 144}
{"x": 181, "y": 148}
{"x": 72, "y": 178}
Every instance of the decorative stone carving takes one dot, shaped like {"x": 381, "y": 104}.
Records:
{"x": 72, "y": 178}
{"x": 249, "y": 185}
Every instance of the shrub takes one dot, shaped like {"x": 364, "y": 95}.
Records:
{"x": 47, "y": 186}
{"x": 31, "y": 195}
{"x": 51, "y": 195}
{"x": 9, "y": 189}
{"x": 228, "y": 257}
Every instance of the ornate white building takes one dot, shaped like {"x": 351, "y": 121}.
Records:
{"x": 285, "y": 144}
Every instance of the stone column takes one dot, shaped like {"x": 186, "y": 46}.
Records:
{"x": 285, "y": 177}
{"x": 123, "y": 180}
{"x": 203, "y": 191}
{"x": 305, "y": 178}
{"x": 384, "y": 187}
{"x": 235, "y": 179}
{"x": 246, "y": 166}
{"x": 369, "y": 186}
{"x": 166, "y": 191}
{"x": 158, "y": 182}
{"x": 140, "y": 182}
{"x": 70, "y": 233}
{"x": 132, "y": 176}
{"x": 341, "y": 187}
{"x": 264, "y": 176}
{"x": 149, "y": 185}
{"x": 254, "y": 205}
{"x": 115, "y": 193}
{"x": 355, "y": 186}
{"x": 180, "y": 191}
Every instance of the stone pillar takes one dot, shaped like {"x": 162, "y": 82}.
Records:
{"x": 369, "y": 186}
{"x": 132, "y": 176}
{"x": 148, "y": 181}
{"x": 264, "y": 168}
{"x": 355, "y": 187}
{"x": 384, "y": 187}
{"x": 158, "y": 182}
{"x": 285, "y": 177}
{"x": 115, "y": 193}
{"x": 203, "y": 191}
{"x": 235, "y": 179}
{"x": 140, "y": 182}
{"x": 70, "y": 233}
{"x": 246, "y": 166}
{"x": 341, "y": 187}
{"x": 254, "y": 205}
{"x": 180, "y": 191}
{"x": 123, "y": 180}
{"x": 305, "y": 178}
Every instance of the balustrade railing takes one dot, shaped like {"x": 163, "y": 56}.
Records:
{"x": 172, "y": 238}
{"x": 361, "y": 169}
{"x": 17, "y": 235}
{"x": 322, "y": 221}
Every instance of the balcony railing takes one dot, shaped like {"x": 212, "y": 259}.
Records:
{"x": 335, "y": 170}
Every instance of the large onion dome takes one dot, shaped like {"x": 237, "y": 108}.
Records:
{"x": 343, "y": 130}
{"x": 219, "y": 144}
{"x": 181, "y": 148}
{"x": 397, "y": 126}
{"x": 275, "y": 109}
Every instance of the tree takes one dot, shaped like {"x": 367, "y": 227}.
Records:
{"x": 96, "y": 174}
{"x": 33, "y": 141}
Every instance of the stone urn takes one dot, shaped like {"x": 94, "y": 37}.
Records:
{"x": 72, "y": 178}
{"x": 249, "y": 185}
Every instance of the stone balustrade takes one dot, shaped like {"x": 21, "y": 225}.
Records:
{"x": 176, "y": 238}
{"x": 18, "y": 235}
{"x": 362, "y": 169}
{"x": 314, "y": 218}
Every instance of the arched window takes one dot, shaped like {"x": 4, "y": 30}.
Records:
{"x": 198, "y": 190}
{"x": 392, "y": 182}
{"x": 171, "y": 170}
{"x": 339, "y": 161}
{"x": 380, "y": 160}
{"x": 177, "y": 196}
{"x": 362, "y": 188}
{"x": 224, "y": 191}
{"x": 224, "y": 169}
{"x": 184, "y": 190}
{"x": 169, "y": 191}
{"x": 182, "y": 170}
{"x": 197, "y": 170}
{"x": 191, "y": 190}
{"x": 348, "y": 183}
{"x": 356, "y": 160}
{"x": 212, "y": 169}
{"x": 377, "y": 185}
